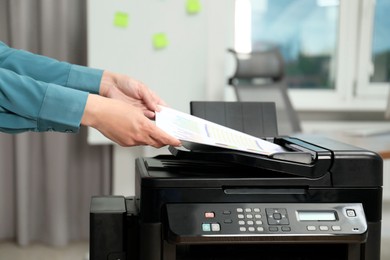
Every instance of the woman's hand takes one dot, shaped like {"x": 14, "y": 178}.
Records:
{"x": 122, "y": 87}
{"x": 124, "y": 123}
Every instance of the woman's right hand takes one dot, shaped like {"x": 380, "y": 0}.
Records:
{"x": 124, "y": 123}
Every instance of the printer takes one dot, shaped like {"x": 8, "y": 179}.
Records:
{"x": 224, "y": 204}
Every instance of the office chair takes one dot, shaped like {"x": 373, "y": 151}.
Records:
{"x": 259, "y": 77}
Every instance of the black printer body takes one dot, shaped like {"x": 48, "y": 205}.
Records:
{"x": 232, "y": 205}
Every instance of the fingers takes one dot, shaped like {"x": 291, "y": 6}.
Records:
{"x": 158, "y": 138}
{"x": 150, "y": 98}
{"x": 134, "y": 129}
{"x": 147, "y": 133}
{"x": 135, "y": 90}
{"x": 149, "y": 114}
{"x": 163, "y": 139}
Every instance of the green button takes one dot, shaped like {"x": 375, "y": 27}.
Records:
{"x": 206, "y": 227}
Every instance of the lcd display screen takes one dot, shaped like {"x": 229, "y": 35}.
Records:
{"x": 317, "y": 216}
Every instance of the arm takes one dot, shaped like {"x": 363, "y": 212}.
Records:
{"x": 108, "y": 84}
{"x": 30, "y": 105}
{"x": 27, "y": 104}
{"x": 49, "y": 70}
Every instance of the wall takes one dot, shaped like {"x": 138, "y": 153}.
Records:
{"x": 189, "y": 64}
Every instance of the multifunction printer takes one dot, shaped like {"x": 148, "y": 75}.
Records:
{"x": 321, "y": 199}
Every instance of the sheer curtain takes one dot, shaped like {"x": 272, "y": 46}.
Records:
{"x": 47, "y": 179}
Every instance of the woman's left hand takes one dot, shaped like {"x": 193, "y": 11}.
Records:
{"x": 122, "y": 87}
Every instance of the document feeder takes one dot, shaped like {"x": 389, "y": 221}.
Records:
{"x": 298, "y": 162}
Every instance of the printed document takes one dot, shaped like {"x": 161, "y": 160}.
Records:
{"x": 196, "y": 132}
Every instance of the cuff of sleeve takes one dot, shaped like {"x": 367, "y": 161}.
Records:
{"x": 84, "y": 78}
{"x": 62, "y": 109}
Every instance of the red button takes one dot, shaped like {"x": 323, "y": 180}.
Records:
{"x": 209, "y": 214}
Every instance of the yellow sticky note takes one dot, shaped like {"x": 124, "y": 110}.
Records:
{"x": 121, "y": 19}
{"x": 160, "y": 41}
{"x": 193, "y": 6}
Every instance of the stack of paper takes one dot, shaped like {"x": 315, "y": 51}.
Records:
{"x": 195, "y": 132}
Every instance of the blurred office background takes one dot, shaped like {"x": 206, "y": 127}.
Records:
{"x": 46, "y": 179}
{"x": 336, "y": 66}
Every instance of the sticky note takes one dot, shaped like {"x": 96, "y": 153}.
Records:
{"x": 121, "y": 19}
{"x": 193, "y": 6}
{"x": 160, "y": 41}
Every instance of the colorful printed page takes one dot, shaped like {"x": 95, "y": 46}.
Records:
{"x": 194, "y": 132}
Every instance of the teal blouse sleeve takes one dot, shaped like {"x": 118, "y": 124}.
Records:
{"x": 49, "y": 70}
{"x": 38, "y": 93}
{"x": 30, "y": 105}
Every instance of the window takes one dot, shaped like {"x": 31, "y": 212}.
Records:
{"x": 374, "y": 64}
{"x": 307, "y": 44}
{"x": 380, "y": 50}
{"x": 335, "y": 51}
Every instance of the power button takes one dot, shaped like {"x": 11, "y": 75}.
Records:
{"x": 351, "y": 213}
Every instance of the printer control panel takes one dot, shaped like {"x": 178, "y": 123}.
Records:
{"x": 289, "y": 221}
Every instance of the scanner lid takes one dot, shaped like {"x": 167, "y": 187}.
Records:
{"x": 303, "y": 160}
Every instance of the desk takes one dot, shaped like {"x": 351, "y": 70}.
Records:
{"x": 373, "y": 136}
{"x": 379, "y": 143}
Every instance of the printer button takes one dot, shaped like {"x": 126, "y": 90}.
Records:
{"x": 206, "y": 227}
{"x": 215, "y": 227}
{"x": 228, "y": 221}
{"x": 259, "y": 222}
{"x": 351, "y": 213}
{"x": 324, "y": 228}
{"x": 248, "y": 210}
{"x": 260, "y": 229}
{"x": 273, "y": 229}
{"x": 241, "y": 222}
{"x": 336, "y": 228}
{"x": 277, "y": 216}
{"x": 257, "y": 210}
{"x": 286, "y": 229}
{"x": 242, "y": 229}
{"x": 226, "y": 212}
{"x": 209, "y": 215}
{"x": 241, "y": 216}
{"x": 240, "y": 210}
{"x": 311, "y": 228}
